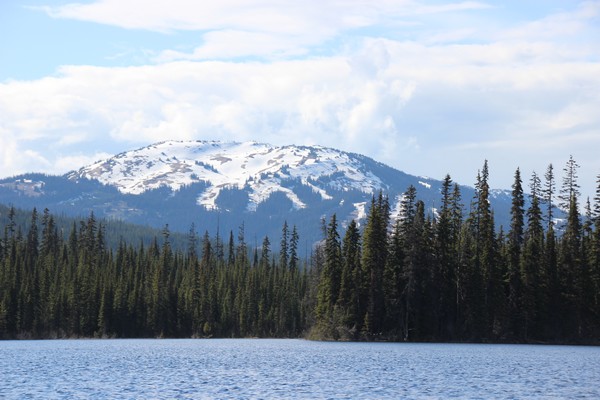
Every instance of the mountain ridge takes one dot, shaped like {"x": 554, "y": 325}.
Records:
{"x": 258, "y": 166}
{"x": 222, "y": 186}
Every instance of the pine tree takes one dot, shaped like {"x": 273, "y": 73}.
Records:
{"x": 570, "y": 264}
{"x": 569, "y": 191}
{"x": 445, "y": 283}
{"x": 515, "y": 244}
{"x": 407, "y": 237}
{"x": 548, "y": 195}
{"x": 283, "y": 247}
{"x": 293, "y": 257}
{"x": 374, "y": 256}
{"x": 265, "y": 254}
{"x": 533, "y": 274}
{"x": 394, "y": 283}
{"x": 486, "y": 317}
{"x": 231, "y": 251}
{"x": 415, "y": 275}
{"x": 596, "y": 212}
{"x": 595, "y": 259}
{"x": 329, "y": 283}
{"x": 351, "y": 281}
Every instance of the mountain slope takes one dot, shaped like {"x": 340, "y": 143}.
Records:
{"x": 220, "y": 186}
{"x": 260, "y": 168}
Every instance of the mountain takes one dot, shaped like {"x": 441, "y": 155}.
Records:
{"x": 222, "y": 186}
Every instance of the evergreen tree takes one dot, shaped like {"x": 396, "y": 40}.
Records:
{"x": 596, "y": 210}
{"x": 533, "y": 274}
{"x": 394, "y": 283}
{"x": 569, "y": 191}
{"x": 445, "y": 283}
{"x": 416, "y": 262}
{"x": 407, "y": 236}
{"x": 329, "y": 283}
{"x": 265, "y": 254}
{"x": 374, "y": 256}
{"x": 595, "y": 258}
{"x": 570, "y": 263}
{"x": 231, "y": 250}
{"x": 283, "y": 247}
{"x": 515, "y": 243}
{"x": 351, "y": 283}
{"x": 548, "y": 195}
{"x": 485, "y": 319}
{"x": 293, "y": 256}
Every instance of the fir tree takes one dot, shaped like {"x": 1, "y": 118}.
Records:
{"x": 548, "y": 195}
{"x": 445, "y": 282}
{"x": 293, "y": 256}
{"x": 351, "y": 282}
{"x": 532, "y": 271}
{"x": 329, "y": 283}
{"x": 515, "y": 243}
{"x": 374, "y": 256}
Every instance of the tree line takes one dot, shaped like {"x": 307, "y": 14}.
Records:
{"x": 446, "y": 274}
{"x": 450, "y": 275}
{"x": 55, "y": 288}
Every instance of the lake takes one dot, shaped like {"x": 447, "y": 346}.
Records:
{"x": 290, "y": 369}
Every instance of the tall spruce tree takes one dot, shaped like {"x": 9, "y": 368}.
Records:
{"x": 515, "y": 243}
{"x": 595, "y": 259}
{"x": 445, "y": 284}
{"x": 570, "y": 262}
{"x": 283, "y": 246}
{"x": 548, "y": 195}
{"x": 374, "y": 256}
{"x": 569, "y": 191}
{"x": 415, "y": 276}
{"x": 393, "y": 283}
{"x": 350, "y": 282}
{"x": 486, "y": 270}
{"x": 293, "y": 256}
{"x": 533, "y": 274}
{"x": 329, "y": 283}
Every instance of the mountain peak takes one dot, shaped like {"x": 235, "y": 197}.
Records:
{"x": 226, "y": 185}
{"x": 259, "y": 168}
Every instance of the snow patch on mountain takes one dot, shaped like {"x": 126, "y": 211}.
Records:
{"x": 427, "y": 185}
{"x": 259, "y": 168}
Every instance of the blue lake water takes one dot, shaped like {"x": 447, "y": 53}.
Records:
{"x": 290, "y": 369}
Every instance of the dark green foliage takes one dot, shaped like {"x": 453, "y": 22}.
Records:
{"x": 450, "y": 279}
{"x": 515, "y": 245}
{"x": 374, "y": 257}
{"x": 326, "y": 311}
{"x": 78, "y": 287}
{"x": 429, "y": 275}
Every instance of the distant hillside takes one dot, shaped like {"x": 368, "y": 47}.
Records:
{"x": 222, "y": 186}
{"x": 114, "y": 229}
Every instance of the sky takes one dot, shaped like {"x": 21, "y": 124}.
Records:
{"x": 428, "y": 87}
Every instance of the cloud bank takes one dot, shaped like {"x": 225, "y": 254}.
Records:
{"x": 373, "y": 79}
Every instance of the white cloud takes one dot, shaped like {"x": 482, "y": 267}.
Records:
{"x": 266, "y": 16}
{"x": 275, "y": 16}
{"x": 9, "y": 156}
{"x": 325, "y": 101}
{"x": 358, "y": 102}
{"x": 562, "y": 25}
{"x": 233, "y": 44}
{"x": 408, "y": 97}
{"x": 241, "y": 28}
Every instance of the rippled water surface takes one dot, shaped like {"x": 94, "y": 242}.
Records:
{"x": 272, "y": 369}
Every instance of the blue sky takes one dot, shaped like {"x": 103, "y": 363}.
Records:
{"x": 429, "y": 87}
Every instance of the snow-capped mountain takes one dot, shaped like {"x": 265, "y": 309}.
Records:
{"x": 222, "y": 186}
{"x": 261, "y": 169}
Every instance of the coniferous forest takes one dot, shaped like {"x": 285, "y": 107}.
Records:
{"x": 448, "y": 274}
